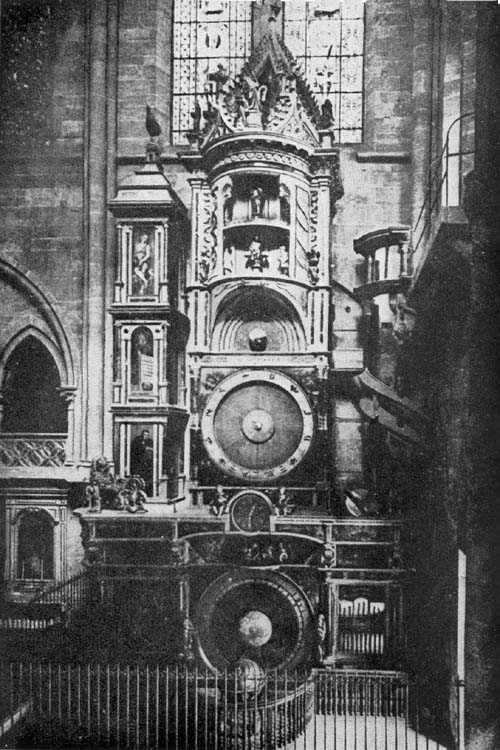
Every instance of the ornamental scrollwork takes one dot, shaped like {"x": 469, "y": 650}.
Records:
{"x": 208, "y": 249}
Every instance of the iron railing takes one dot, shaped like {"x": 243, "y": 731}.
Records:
{"x": 445, "y": 180}
{"x": 142, "y": 706}
{"x": 57, "y": 605}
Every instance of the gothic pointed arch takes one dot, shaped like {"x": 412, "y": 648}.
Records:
{"x": 45, "y": 305}
{"x": 30, "y": 381}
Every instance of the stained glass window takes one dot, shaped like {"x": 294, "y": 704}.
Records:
{"x": 206, "y": 33}
{"x": 326, "y": 38}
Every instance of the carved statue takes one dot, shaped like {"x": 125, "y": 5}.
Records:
{"x": 227, "y": 210}
{"x": 133, "y": 496}
{"x": 284, "y": 204}
{"x": 313, "y": 258}
{"x": 229, "y": 258}
{"x": 321, "y": 634}
{"x": 256, "y": 202}
{"x": 152, "y": 125}
{"x": 283, "y": 260}
{"x": 196, "y": 117}
{"x": 102, "y": 487}
{"x": 257, "y": 258}
{"x": 220, "y": 78}
{"x": 283, "y": 507}
{"x": 328, "y": 555}
{"x": 327, "y": 119}
{"x": 141, "y": 262}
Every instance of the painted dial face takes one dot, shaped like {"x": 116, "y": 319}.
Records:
{"x": 257, "y": 425}
{"x": 250, "y": 513}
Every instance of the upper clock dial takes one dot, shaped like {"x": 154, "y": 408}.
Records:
{"x": 257, "y": 425}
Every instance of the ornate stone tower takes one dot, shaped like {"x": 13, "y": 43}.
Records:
{"x": 265, "y": 181}
{"x": 150, "y": 331}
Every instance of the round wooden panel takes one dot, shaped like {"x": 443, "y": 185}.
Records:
{"x": 257, "y": 425}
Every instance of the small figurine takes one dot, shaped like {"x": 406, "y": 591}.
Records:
{"x": 321, "y": 635}
{"x": 229, "y": 258}
{"x": 220, "y": 78}
{"x": 196, "y": 117}
{"x": 283, "y": 507}
{"x": 227, "y": 210}
{"x": 282, "y": 553}
{"x": 328, "y": 556}
{"x": 256, "y": 257}
{"x": 283, "y": 260}
{"x": 218, "y": 505}
{"x": 284, "y": 204}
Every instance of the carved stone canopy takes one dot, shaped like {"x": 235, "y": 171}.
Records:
{"x": 269, "y": 94}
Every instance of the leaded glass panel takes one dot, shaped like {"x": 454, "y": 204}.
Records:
{"x": 326, "y": 37}
{"x": 206, "y": 33}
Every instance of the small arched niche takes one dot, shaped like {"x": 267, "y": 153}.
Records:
{"x": 35, "y": 546}
{"x": 31, "y": 383}
{"x": 258, "y": 321}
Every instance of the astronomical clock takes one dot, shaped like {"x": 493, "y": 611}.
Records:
{"x": 235, "y": 356}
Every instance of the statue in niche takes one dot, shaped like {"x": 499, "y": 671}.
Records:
{"x": 142, "y": 364}
{"x": 227, "y": 210}
{"x": 141, "y": 460}
{"x": 283, "y": 260}
{"x": 142, "y": 274}
{"x": 284, "y": 204}
{"x": 256, "y": 202}
{"x": 257, "y": 257}
{"x": 229, "y": 260}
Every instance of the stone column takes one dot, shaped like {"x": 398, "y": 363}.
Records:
{"x": 95, "y": 218}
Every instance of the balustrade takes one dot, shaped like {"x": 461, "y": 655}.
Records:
{"x": 20, "y": 449}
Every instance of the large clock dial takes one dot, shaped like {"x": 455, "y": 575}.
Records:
{"x": 257, "y": 425}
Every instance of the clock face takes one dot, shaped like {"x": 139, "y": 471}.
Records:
{"x": 250, "y": 513}
{"x": 257, "y": 425}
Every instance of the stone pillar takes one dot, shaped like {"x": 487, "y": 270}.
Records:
{"x": 95, "y": 218}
